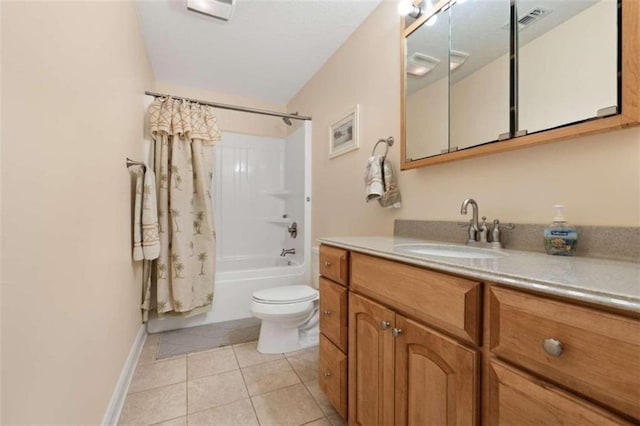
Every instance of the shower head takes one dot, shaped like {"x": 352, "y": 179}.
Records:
{"x": 287, "y": 120}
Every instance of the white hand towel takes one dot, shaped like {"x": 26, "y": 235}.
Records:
{"x": 380, "y": 183}
{"x": 137, "y": 218}
{"x": 150, "y": 230}
{"x": 374, "y": 187}
{"x": 146, "y": 240}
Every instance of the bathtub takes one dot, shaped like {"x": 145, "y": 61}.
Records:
{"x": 236, "y": 280}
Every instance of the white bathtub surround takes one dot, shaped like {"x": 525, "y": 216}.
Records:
{"x": 183, "y": 136}
{"x": 256, "y": 181}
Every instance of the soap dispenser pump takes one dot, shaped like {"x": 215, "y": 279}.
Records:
{"x": 560, "y": 238}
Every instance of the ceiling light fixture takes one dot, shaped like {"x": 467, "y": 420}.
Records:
{"x": 219, "y": 9}
{"x": 456, "y": 59}
{"x": 419, "y": 64}
{"x": 407, "y": 8}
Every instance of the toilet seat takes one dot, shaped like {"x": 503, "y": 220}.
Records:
{"x": 286, "y": 295}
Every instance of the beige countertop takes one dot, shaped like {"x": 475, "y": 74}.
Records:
{"x": 603, "y": 282}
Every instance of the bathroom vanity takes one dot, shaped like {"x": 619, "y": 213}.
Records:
{"x": 489, "y": 337}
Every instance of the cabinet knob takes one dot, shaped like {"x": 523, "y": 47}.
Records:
{"x": 396, "y": 332}
{"x": 384, "y": 325}
{"x": 327, "y": 374}
{"x": 326, "y": 263}
{"x": 326, "y": 313}
{"x": 552, "y": 346}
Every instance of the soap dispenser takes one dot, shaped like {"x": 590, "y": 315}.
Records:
{"x": 560, "y": 238}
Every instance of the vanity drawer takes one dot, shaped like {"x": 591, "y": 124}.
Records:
{"x": 444, "y": 301}
{"x": 517, "y": 398}
{"x": 598, "y": 354}
{"x": 333, "y": 313}
{"x": 334, "y": 264}
{"x": 332, "y": 369}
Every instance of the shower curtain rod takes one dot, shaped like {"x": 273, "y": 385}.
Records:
{"x": 233, "y": 107}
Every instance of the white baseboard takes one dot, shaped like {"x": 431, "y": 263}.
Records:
{"x": 112, "y": 415}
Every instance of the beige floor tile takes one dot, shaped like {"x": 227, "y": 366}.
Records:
{"x": 321, "y": 398}
{"x": 212, "y": 391}
{"x": 269, "y": 376}
{"x": 201, "y": 364}
{"x": 154, "y": 375}
{"x": 248, "y": 355}
{"x": 239, "y": 413}
{"x": 322, "y": 422}
{"x": 301, "y": 351}
{"x": 155, "y": 405}
{"x": 288, "y": 406}
{"x": 305, "y": 364}
{"x": 180, "y": 421}
{"x": 149, "y": 349}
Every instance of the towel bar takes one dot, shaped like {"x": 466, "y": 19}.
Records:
{"x": 388, "y": 142}
{"x": 131, "y": 162}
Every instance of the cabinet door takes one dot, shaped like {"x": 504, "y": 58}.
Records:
{"x": 437, "y": 378}
{"x": 370, "y": 362}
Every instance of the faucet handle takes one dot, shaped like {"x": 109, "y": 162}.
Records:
{"x": 484, "y": 230}
{"x": 495, "y": 233}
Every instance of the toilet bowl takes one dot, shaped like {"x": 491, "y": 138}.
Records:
{"x": 289, "y": 317}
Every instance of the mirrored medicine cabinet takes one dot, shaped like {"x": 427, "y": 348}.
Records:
{"x": 481, "y": 77}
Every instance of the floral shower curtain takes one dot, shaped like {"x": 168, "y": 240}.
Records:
{"x": 181, "y": 280}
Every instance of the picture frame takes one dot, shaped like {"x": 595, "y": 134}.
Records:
{"x": 344, "y": 134}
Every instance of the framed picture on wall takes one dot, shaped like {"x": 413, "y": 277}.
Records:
{"x": 343, "y": 133}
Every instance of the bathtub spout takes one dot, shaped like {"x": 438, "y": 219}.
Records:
{"x": 287, "y": 251}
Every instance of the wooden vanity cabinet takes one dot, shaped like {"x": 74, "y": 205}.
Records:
{"x": 428, "y": 348}
{"x": 333, "y": 309}
{"x": 401, "y": 371}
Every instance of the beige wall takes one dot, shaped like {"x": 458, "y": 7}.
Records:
{"x": 73, "y": 79}
{"x": 234, "y": 121}
{"x": 597, "y": 177}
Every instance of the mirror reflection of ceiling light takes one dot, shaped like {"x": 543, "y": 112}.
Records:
{"x": 456, "y": 59}
{"x": 419, "y": 64}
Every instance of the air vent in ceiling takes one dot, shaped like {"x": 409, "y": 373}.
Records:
{"x": 532, "y": 16}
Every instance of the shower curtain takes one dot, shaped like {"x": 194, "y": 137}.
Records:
{"x": 181, "y": 280}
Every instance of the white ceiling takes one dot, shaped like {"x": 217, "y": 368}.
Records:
{"x": 268, "y": 50}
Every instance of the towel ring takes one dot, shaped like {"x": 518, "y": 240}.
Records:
{"x": 388, "y": 142}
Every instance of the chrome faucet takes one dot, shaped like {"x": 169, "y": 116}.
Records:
{"x": 474, "y": 228}
{"x": 479, "y": 233}
{"x": 287, "y": 251}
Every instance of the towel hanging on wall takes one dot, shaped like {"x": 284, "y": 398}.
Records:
{"x": 146, "y": 241}
{"x": 380, "y": 182}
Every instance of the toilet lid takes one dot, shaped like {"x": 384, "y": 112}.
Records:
{"x": 286, "y": 294}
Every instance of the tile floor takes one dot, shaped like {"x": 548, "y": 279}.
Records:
{"x": 233, "y": 385}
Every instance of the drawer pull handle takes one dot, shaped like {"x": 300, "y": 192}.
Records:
{"x": 326, "y": 313}
{"x": 327, "y": 374}
{"x": 384, "y": 325}
{"x": 552, "y": 346}
{"x": 396, "y": 332}
{"x": 326, "y": 263}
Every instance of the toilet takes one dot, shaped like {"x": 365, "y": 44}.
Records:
{"x": 289, "y": 317}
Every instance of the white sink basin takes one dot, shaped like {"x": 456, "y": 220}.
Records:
{"x": 444, "y": 250}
